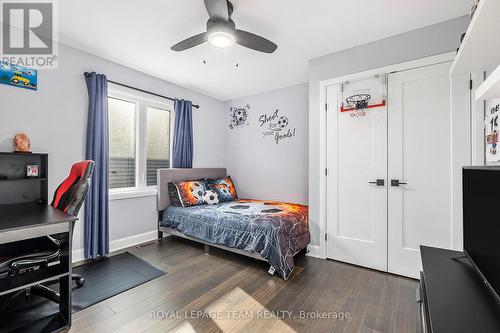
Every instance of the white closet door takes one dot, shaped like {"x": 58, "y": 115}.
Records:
{"x": 419, "y": 148}
{"x": 356, "y": 209}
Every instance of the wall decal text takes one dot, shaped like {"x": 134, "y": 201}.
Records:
{"x": 277, "y": 126}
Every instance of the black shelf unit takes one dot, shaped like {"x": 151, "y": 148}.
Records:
{"x": 21, "y": 179}
{"x": 15, "y": 186}
{"x": 25, "y": 216}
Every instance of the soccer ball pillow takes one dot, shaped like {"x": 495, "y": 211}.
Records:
{"x": 191, "y": 192}
{"x": 210, "y": 197}
{"x": 224, "y": 187}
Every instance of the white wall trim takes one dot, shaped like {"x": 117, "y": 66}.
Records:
{"x": 321, "y": 251}
{"x": 322, "y": 207}
{"x": 129, "y": 93}
{"x": 427, "y": 61}
{"x": 121, "y": 194}
{"x": 313, "y": 251}
{"x": 77, "y": 255}
{"x": 122, "y": 243}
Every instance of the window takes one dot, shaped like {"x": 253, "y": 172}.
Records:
{"x": 157, "y": 142}
{"x": 139, "y": 139}
{"x": 121, "y": 143}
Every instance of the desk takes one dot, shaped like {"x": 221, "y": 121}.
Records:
{"x": 27, "y": 221}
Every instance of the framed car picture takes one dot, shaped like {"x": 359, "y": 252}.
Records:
{"x": 18, "y": 76}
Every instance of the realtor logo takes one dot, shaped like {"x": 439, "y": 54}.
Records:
{"x": 28, "y": 33}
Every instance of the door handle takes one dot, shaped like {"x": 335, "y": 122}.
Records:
{"x": 396, "y": 182}
{"x": 378, "y": 182}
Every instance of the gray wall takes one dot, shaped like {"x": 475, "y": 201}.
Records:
{"x": 55, "y": 119}
{"x": 261, "y": 168}
{"x": 420, "y": 43}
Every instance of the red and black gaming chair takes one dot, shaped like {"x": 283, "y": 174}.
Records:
{"x": 69, "y": 198}
{"x": 70, "y": 195}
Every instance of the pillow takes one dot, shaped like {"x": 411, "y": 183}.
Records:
{"x": 224, "y": 187}
{"x": 174, "y": 195}
{"x": 191, "y": 192}
{"x": 210, "y": 197}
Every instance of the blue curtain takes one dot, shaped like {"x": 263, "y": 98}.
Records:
{"x": 182, "y": 154}
{"x": 96, "y": 231}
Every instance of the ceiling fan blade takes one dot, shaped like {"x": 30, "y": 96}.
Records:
{"x": 217, "y": 9}
{"x": 254, "y": 42}
{"x": 190, "y": 42}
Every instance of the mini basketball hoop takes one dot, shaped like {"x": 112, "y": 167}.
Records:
{"x": 358, "y": 102}
{"x": 361, "y": 95}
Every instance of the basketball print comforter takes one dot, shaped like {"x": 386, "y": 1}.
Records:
{"x": 275, "y": 230}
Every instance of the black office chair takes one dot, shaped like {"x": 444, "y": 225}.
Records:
{"x": 36, "y": 254}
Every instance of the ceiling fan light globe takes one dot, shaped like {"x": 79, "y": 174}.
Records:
{"x": 221, "y": 39}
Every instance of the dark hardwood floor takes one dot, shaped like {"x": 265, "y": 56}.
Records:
{"x": 224, "y": 292}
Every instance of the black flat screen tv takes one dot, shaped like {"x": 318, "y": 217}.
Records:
{"x": 481, "y": 205}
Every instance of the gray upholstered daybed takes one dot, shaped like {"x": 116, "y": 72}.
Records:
{"x": 265, "y": 230}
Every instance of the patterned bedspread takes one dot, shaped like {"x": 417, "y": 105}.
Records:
{"x": 275, "y": 230}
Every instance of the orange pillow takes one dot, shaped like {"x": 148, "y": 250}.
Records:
{"x": 191, "y": 192}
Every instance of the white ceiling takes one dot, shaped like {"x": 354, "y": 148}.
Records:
{"x": 139, "y": 34}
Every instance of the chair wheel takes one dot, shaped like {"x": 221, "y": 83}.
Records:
{"x": 80, "y": 282}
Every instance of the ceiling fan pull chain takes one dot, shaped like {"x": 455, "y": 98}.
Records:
{"x": 236, "y": 56}
{"x": 205, "y": 56}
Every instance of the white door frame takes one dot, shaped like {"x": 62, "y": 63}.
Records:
{"x": 445, "y": 57}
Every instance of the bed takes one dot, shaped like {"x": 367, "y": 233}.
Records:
{"x": 266, "y": 230}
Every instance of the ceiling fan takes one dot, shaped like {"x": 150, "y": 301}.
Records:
{"x": 222, "y": 33}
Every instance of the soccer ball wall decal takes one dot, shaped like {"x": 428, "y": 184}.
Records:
{"x": 210, "y": 197}
{"x": 238, "y": 116}
{"x": 283, "y": 122}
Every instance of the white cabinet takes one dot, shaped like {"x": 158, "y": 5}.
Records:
{"x": 490, "y": 88}
{"x": 480, "y": 49}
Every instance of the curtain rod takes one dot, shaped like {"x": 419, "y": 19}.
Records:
{"x": 144, "y": 91}
{"x": 148, "y": 92}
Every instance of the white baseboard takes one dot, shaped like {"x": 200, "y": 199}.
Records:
{"x": 78, "y": 255}
{"x": 313, "y": 251}
{"x": 118, "y": 244}
{"x": 122, "y": 243}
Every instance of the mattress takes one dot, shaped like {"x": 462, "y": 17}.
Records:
{"x": 275, "y": 230}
